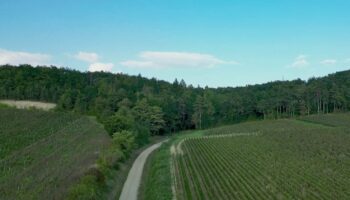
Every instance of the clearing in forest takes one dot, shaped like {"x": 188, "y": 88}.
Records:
{"x": 28, "y": 104}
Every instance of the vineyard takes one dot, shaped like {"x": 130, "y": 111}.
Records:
{"x": 335, "y": 120}
{"x": 43, "y": 153}
{"x": 281, "y": 159}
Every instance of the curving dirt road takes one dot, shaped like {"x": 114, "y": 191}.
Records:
{"x": 132, "y": 183}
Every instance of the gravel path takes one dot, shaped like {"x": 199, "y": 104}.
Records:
{"x": 132, "y": 183}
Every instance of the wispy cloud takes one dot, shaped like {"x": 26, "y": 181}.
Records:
{"x": 19, "y": 57}
{"x": 97, "y": 67}
{"x": 329, "y": 62}
{"x": 156, "y": 59}
{"x": 94, "y": 62}
{"x": 300, "y": 62}
{"x": 87, "y": 57}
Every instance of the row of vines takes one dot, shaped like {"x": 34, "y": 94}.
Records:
{"x": 310, "y": 164}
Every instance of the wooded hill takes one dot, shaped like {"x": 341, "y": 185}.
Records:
{"x": 167, "y": 107}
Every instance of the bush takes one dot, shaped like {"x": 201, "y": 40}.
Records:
{"x": 96, "y": 172}
{"x": 124, "y": 140}
{"x": 110, "y": 158}
{"x": 87, "y": 189}
{"x": 117, "y": 123}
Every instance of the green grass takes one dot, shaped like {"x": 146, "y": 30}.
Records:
{"x": 42, "y": 154}
{"x": 157, "y": 179}
{"x": 335, "y": 120}
{"x": 285, "y": 159}
{"x": 2, "y": 106}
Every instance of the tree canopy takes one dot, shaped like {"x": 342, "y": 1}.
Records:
{"x": 119, "y": 100}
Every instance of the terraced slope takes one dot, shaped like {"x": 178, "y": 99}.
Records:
{"x": 282, "y": 159}
{"x": 43, "y": 153}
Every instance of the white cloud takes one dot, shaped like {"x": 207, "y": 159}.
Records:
{"x": 94, "y": 60}
{"x": 329, "y": 62}
{"x": 300, "y": 62}
{"x": 97, "y": 67}
{"x": 87, "y": 57}
{"x": 18, "y": 57}
{"x": 138, "y": 64}
{"x": 155, "y": 59}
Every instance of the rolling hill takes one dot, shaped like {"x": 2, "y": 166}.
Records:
{"x": 43, "y": 153}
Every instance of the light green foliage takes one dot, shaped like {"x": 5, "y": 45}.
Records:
{"x": 203, "y": 110}
{"x": 157, "y": 182}
{"x": 42, "y": 153}
{"x": 3, "y": 106}
{"x": 119, "y": 122}
{"x": 285, "y": 159}
{"x": 109, "y": 159}
{"x": 87, "y": 189}
{"x": 149, "y": 116}
{"x": 124, "y": 140}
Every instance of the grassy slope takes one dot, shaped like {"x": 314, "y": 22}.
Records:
{"x": 43, "y": 153}
{"x": 335, "y": 120}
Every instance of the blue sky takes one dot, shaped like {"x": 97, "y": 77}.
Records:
{"x": 214, "y": 43}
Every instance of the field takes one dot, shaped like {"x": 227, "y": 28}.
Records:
{"x": 43, "y": 153}
{"x": 28, "y": 104}
{"x": 281, "y": 159}
{"x": 335, "y": 120}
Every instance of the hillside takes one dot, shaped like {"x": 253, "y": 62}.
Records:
{"x": 267, "y": 159}
{"x": 42, "y": 153}
{"x": 181, "y": 106}
{"x": 334, "y": 120}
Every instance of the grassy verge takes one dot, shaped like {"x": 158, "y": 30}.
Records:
{"x": 111, "y": 171}
{"x": 119, "y": 176}
{"x": 157, "y": 179}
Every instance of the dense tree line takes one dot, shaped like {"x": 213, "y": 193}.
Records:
{"x": 124, "y": 102}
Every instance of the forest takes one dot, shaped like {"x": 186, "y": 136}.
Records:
{"x": 155, "y": 107}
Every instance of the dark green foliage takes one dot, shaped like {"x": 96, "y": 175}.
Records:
{"x": 141, "y": 134}
{"x": 163, "y": 107}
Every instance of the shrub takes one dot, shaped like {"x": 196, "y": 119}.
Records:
{"x": 124, "y": 140}
{"x": 87, "y": 189}
{"x": 110, "y": 158}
